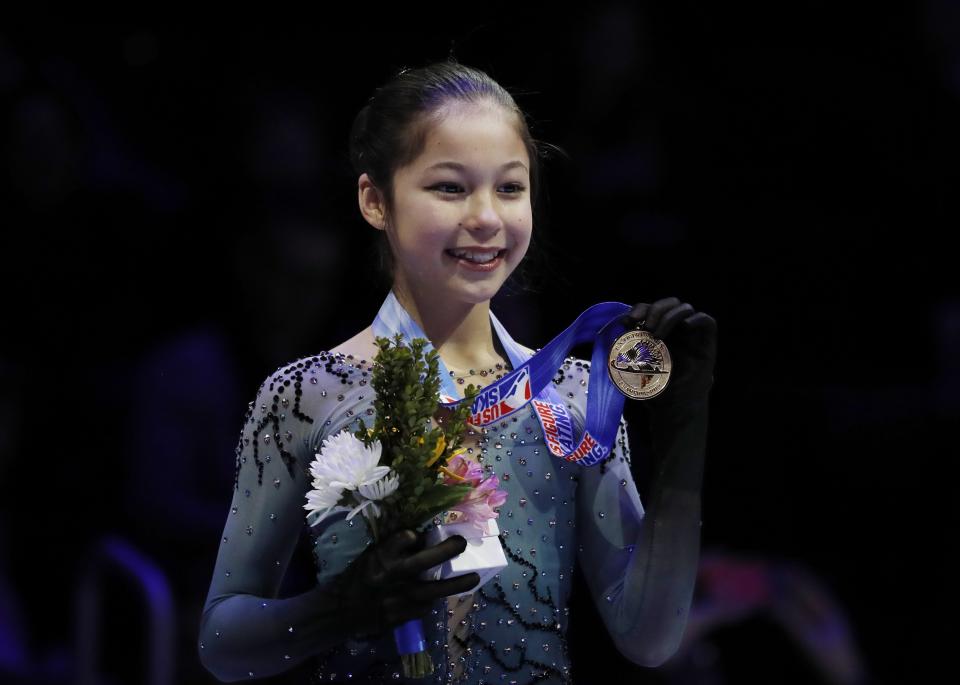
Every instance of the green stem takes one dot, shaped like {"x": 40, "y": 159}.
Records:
{"x": 417, "y": 665}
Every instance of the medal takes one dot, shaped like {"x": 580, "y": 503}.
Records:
{"x": 639, "y": 365}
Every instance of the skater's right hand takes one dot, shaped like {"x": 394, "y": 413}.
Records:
{"x": 382, "y": 587}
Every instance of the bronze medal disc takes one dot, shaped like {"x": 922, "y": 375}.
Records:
{"x": 639, "y": 365}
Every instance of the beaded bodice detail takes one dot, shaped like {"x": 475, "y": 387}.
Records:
{"x": 513, "y": 628}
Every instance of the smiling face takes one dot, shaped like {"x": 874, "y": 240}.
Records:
{"x": 462, "y": 218}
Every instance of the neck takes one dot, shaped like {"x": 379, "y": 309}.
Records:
{"x": 459, "y": 331}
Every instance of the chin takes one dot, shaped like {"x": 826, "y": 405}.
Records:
{"x": 479, "y": 292}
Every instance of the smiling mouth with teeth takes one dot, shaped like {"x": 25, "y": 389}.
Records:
{"x": 476, "y": 257}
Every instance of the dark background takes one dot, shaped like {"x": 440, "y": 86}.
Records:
{"x": 180, "y": 219}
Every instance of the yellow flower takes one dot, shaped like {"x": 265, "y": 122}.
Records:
{"x": 459, "y": 451}
{"x": 451, "y": 473}
{"x": 447, "y": 471}
{"x": 438, "y": 450}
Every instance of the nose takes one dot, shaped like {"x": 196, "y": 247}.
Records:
{"x": 483, "y": 214}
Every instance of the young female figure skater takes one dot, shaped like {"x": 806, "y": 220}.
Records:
{"x": 448, "y": 170}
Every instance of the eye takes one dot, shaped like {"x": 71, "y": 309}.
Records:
{"x": 517, "y": 188}
{"x": 438, "y": 186}
{"x": 512, "y": 188}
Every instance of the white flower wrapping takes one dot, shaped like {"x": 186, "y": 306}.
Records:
{"x": 483, "y": 555}
{"x": 343, "y": 464}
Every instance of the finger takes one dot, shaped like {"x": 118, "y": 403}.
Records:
{"x": 636, "y": 314}
{"x": 703, "y": 328}
{"x": 432, "y": 556}
{"x": 404, "y": 540}
{"x": 701, "y": 321}
{"x": 669, "y": 320}
{"x": 658, "y": 309}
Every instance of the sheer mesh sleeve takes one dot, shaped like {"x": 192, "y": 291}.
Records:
{"x": 246, "y": 631}
{"x": 629, "y": 555}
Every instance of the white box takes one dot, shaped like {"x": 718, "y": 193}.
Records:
{"x": 483, "y": 555}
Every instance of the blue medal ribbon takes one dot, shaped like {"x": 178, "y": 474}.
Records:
{"x": 531, "y": 380}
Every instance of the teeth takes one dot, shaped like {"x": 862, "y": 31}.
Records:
{"x": 478, "y": 257}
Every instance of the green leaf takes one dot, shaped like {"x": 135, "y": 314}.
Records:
{"x": 406, "y": 383}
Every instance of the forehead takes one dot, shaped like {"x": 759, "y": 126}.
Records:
{"x": 473, "y": 134}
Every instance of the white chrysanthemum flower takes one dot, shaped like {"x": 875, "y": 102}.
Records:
{"x": 344, "y": 463}
{"x": 373, "y": 492}
{"x": 383, "y": 488}
{"x": 321, "y": 504}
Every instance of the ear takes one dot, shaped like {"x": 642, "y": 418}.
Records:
{"x": 371, "y": 202}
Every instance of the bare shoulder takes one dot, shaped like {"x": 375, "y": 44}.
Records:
{"x": 361, "y": 346}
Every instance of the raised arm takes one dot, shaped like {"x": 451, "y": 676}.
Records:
{"x": 645, "y": 593}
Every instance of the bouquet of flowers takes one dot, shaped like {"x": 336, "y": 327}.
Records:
{"x": 403, "y": 472}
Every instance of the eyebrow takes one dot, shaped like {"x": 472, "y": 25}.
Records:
{"x": 460, "y": 167}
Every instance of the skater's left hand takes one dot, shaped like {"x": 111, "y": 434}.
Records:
{"x": 691, "y": 339}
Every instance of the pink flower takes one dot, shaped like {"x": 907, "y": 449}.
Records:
{"x": 460, "y": 470}
{"x": 478, "y": 505}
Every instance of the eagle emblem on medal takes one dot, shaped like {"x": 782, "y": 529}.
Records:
{"x": 639, "y": 364}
